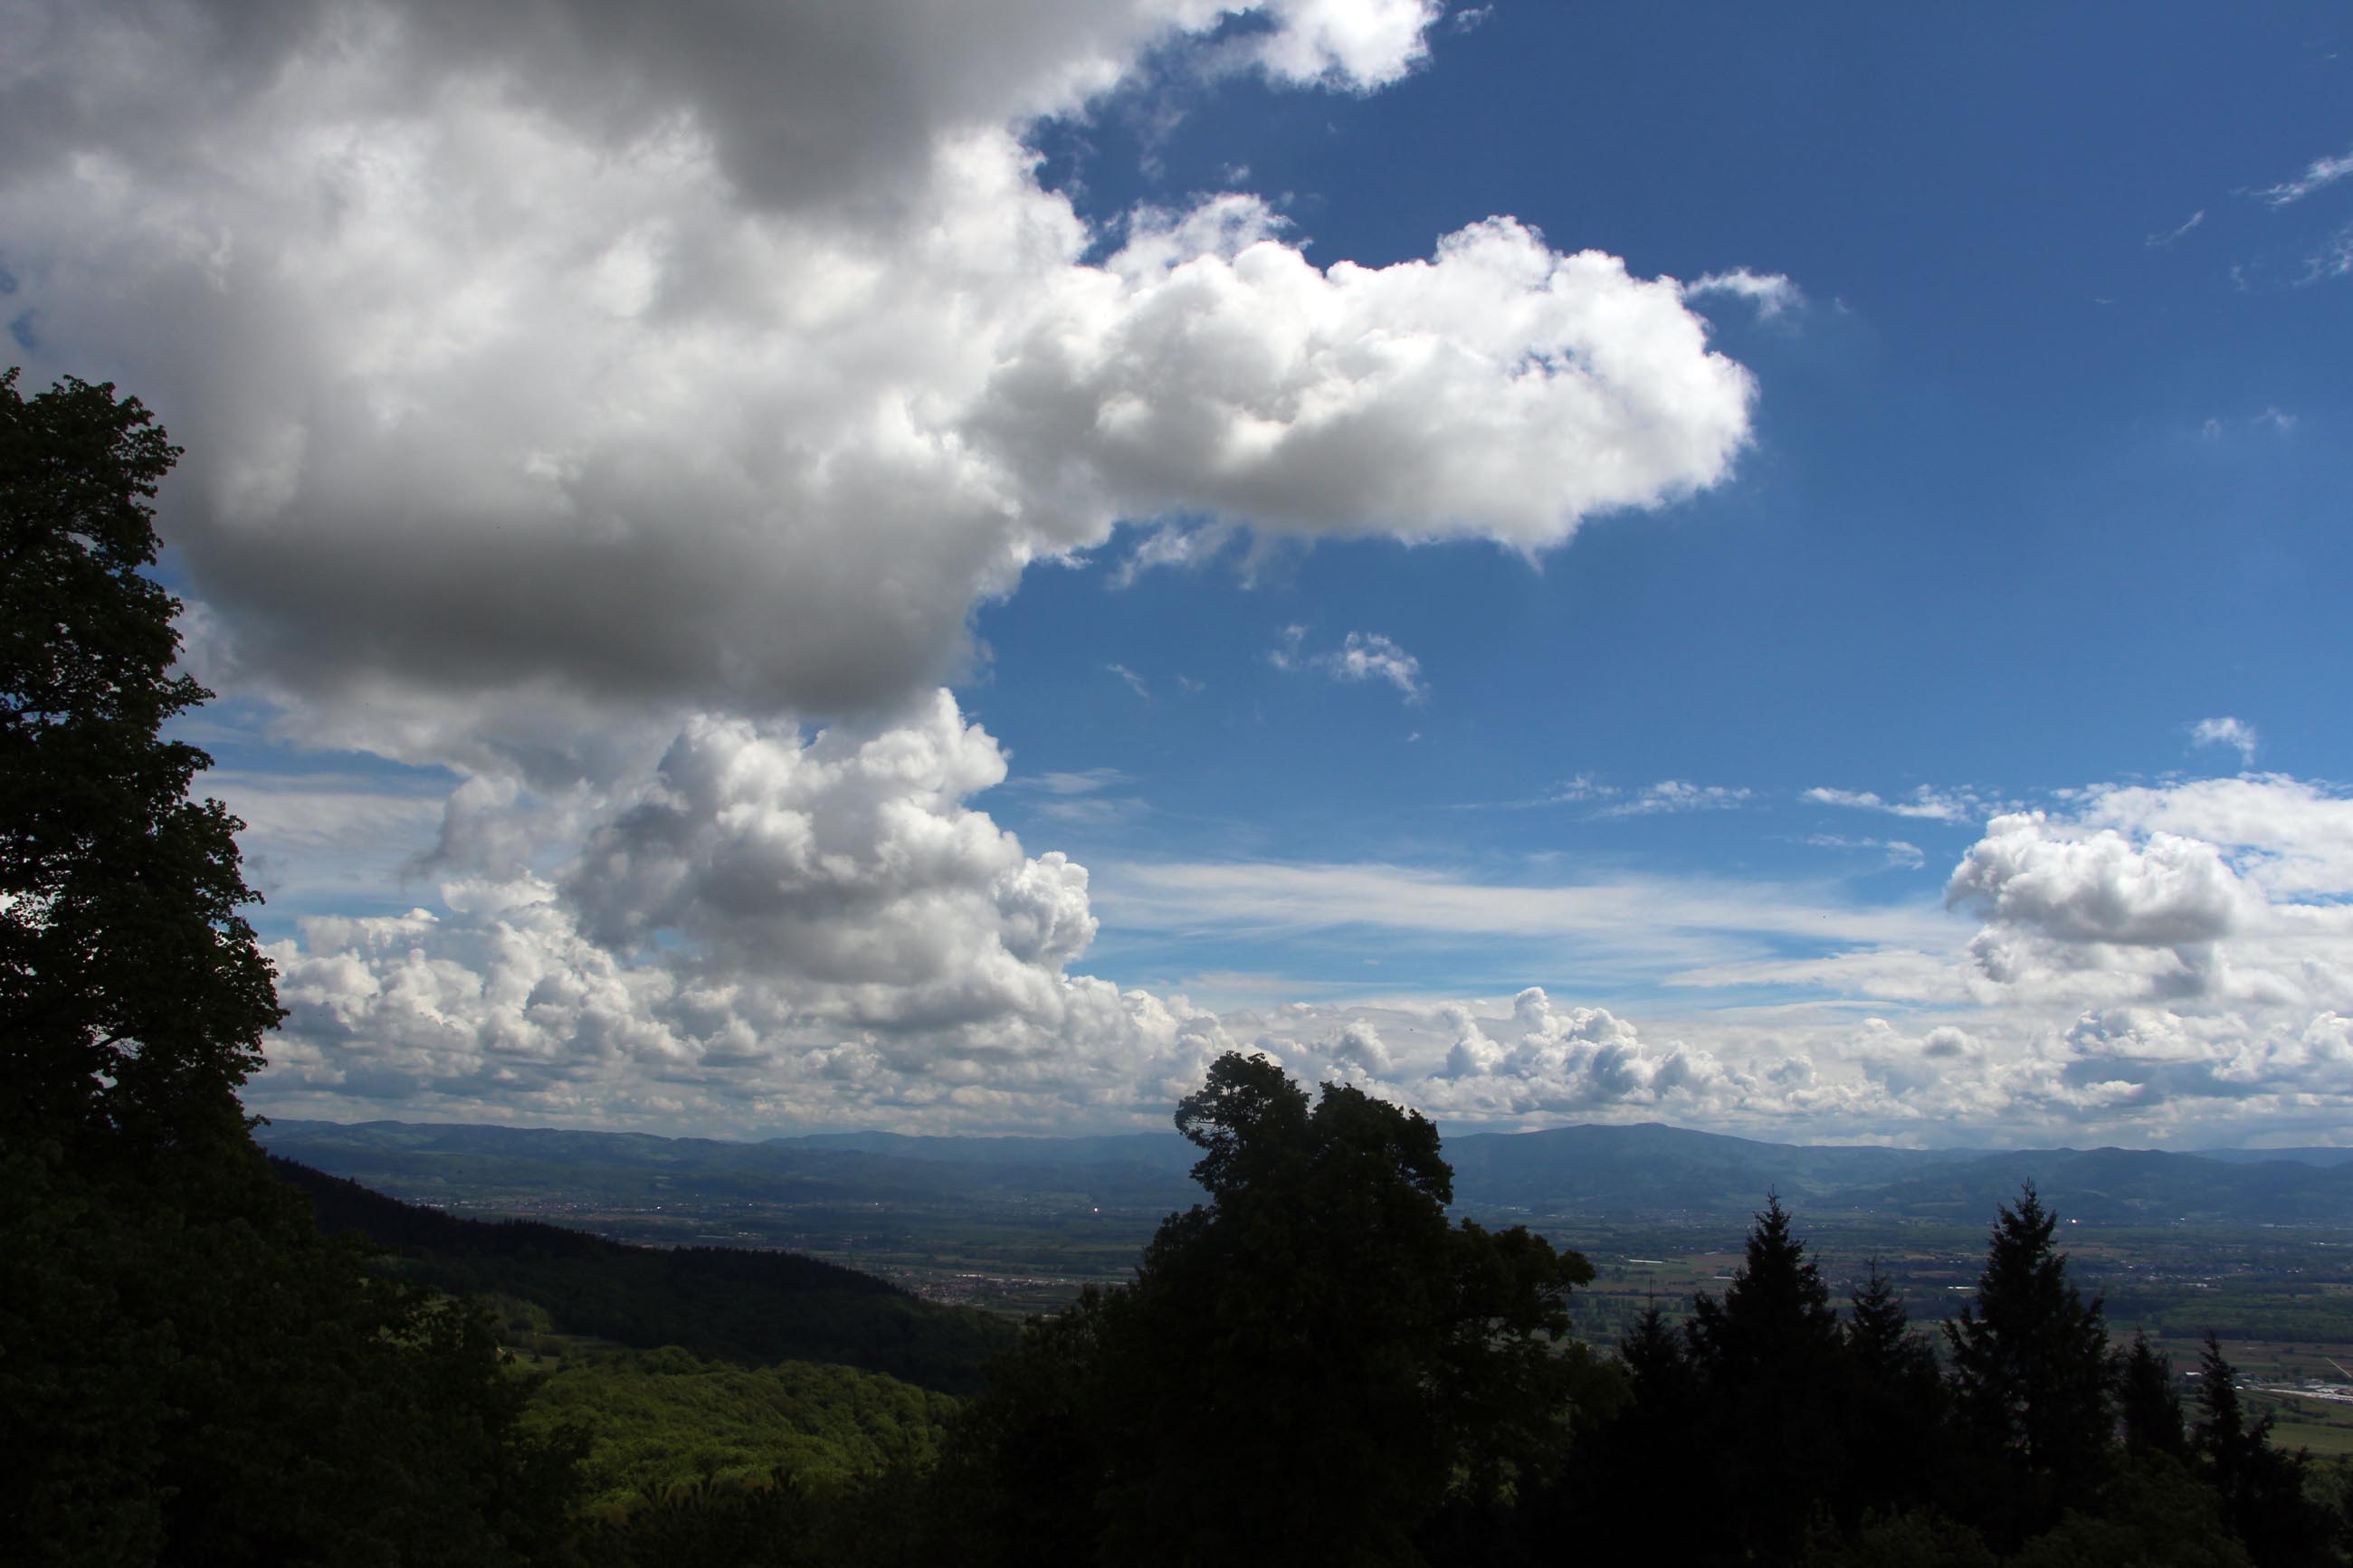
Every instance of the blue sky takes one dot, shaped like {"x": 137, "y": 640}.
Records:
{"x": 1867, "y": 644}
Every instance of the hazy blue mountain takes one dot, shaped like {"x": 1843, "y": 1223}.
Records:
{"x": 1146, "y": 1151}
{"x": 2306, "y": 1156}
{"x": 2133, "y": 1185}
{"x": 449, "y": 1162}
{"x": 1645, "y": 1170}
{"x": 1651, "y": 1168}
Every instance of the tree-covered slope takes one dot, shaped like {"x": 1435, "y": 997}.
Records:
{"x": 734, "y": 1305}
{"x": 660, "y": 1420}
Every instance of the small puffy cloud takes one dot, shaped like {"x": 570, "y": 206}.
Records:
{"x": 2235, "y": 733}
{"x": 1369, "y": 656}
{"x": 1769, "y": 292}
{"x": 1354, "y": 44}
{"x": 1133, "y": 682}
{"x": 2320, "y": 174}
{"x": 1910, "y": 1066}
{"x": 1563, "y": 1060}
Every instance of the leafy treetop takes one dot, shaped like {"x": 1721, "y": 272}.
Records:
{"x": 133, "y": 997}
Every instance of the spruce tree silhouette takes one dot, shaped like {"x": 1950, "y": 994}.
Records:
{"x": 2030, "y": 1373}
{"x": 1768, "y": 1360}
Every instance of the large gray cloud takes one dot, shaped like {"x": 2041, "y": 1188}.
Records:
{"x": 728, "y": 355}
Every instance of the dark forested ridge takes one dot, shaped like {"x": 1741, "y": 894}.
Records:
{"x": 735, "y": 1305}
{"x": 458, "y": 1162}
{"x": 1620, "y": 1171}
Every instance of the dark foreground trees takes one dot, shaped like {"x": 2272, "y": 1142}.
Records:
{"x": 1765, "y": 1431}
{"x": 1312, "y": 1366}
{"x": 188, "y": 1372}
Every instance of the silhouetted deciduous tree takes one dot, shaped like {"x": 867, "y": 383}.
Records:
{"x": 188, "y": 1372}
{"x": 133, "y": 996}
{"x": 1306, "y": 1368}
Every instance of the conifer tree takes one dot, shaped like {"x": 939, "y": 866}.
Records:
{"x": 1768, "y": 1360}
{"x": 1893, "y": 1405}
{"x": 2261, "y": 1489}
{"x": 2149, "y": 1405}
{"x": 2030, "y": 1354}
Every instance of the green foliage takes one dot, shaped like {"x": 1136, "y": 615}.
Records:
{"x": 663, "y": 1420}
{"x": 2147, "y": 1513}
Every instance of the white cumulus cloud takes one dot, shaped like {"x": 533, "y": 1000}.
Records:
{"x": 2235, "y": 733}
{"x": 1369, "y": 656}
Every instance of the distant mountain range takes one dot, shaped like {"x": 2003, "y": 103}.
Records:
{"x": 1628, "y": 1171}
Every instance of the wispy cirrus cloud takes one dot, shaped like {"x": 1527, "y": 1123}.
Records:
{"x": 1660, "y": 920}
{"x": 2171, "y": 237}
{"x": 2320, "y": 174}
{"x": 1924, "y": 804}
{"x": 1071, "y": 784}
{"x": 1677, "y": 795}
{"x": 1899, "y": 852}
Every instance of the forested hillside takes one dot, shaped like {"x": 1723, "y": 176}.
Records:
{"x": 734, "y": 1305}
